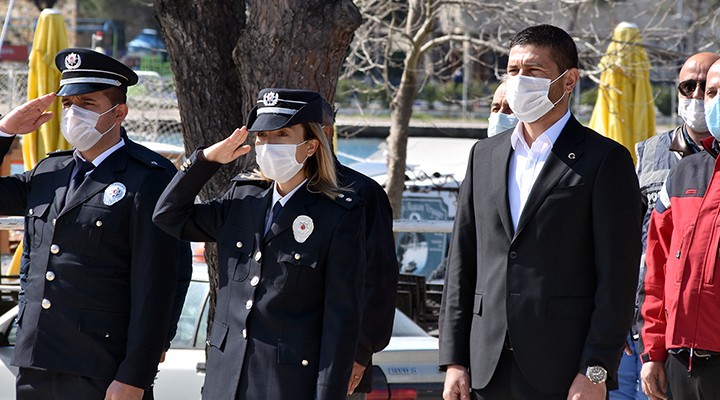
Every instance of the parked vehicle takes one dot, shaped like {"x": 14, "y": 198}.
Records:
{"x": 405, "y": 370}
{"x": 149, "y": 41}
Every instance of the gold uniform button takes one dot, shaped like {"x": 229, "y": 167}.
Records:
{"x": 46, "y": 304}
{"x": 244, "y": 333}
{"x": 54, "y": 249}
{"x": 50, "y": 276}
{"x": 248, "y": 304}
{"x": 98, "y": 223}
{"x": 258, "y": 256}
{"x": 305, "y": 363}
{"x": 239, "y": 245}
{"x": 254, "y": 281}
{"x": 297, "y": 256}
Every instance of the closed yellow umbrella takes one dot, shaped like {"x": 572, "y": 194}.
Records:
{"x": 625, "y": 110}
{"x": 44, "y": 77}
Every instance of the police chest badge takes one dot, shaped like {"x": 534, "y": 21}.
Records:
{"x": 114, "y": 193}
{"x": 302, "y": 228}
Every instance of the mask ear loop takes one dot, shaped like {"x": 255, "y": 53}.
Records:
{"x": 114, "y": 123}
{"x": 564, "y": 92}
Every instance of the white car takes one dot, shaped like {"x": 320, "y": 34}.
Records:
{"x": 405, "y": 370}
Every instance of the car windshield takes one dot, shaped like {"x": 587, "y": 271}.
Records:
{"x": 192, "y": 326}
{"x": 195, "y": 304}
{"x": 404, "y": 326}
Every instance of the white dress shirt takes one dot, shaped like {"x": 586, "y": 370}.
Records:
{"x": 526, "y": 162}
{"x": 282, "y": 199}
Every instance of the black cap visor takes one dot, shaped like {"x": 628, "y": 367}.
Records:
{"x": 76, "y": 89}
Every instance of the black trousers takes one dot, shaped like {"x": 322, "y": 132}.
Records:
{"x": 35, "y": 384}
{"x": 508, "y": 383}
{"x": 701, "y": 383}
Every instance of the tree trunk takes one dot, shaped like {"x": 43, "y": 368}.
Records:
{"x": 295, "y": 44}
{"x": 222, "y": 55}
{"x": 200, "y": 39}
{"x": 400, "y": 113}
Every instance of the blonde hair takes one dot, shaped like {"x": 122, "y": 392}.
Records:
{"x": 320, "y": 168}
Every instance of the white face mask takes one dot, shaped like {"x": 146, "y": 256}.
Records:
{"x": 527, "y": 96}
{"x": 499, "y": 122}
{"x": 277, "y": 161}
{"x": 78, "y": 126}
{"x": 692, "y": 111}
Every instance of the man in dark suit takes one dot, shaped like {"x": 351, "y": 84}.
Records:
{"x": 98, "y": 278}
{"x": 381, "y": 267}
{"x": 544, "y": 255}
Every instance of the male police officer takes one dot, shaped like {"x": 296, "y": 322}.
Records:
{"x": 98, "y": 277}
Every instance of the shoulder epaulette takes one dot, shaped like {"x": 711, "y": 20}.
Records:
{"x": 147, "y": 156}
{"x": 251, "y": 178}
{"x": 60, "y": 153}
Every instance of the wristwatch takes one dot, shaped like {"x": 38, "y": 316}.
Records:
{"x": 596, "y": 374}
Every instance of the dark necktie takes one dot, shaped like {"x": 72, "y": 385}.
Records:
{"x": 275, "y": 212}
{"x": 83, "y": 168}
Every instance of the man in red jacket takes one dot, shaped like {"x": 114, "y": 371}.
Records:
{"x": 681, "y": 305}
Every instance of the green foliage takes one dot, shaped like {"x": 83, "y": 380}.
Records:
{"x": 589, "y": 97}
{"x": 349, "y": 91}
{"x": 662, "y": 95}
{"x": 156, "y": 63}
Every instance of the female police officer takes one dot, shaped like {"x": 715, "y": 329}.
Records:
{"x": 290, "y": 257}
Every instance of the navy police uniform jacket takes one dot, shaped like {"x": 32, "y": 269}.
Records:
{"x": 98, "y": 278}
{"x": 288, "y": 308}
{"x": 381, "y": 269}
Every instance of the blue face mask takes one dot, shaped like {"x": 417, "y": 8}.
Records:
{"x": 712, "y": 117}
{"x": 499, "y": 122}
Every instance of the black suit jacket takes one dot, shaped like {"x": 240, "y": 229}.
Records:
{"x": 562, "y": 284}
{"x": 288, "y": 311}
{"x": 98, "y": 277}
{"x": 381, "y": 269}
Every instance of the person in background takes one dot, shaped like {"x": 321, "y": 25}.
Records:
{"x": 655, "y": 157}
{"x": 101, "y": 285}
{"x": 545, "y": 251}
{"x": 381, "y": 274}
{"x": 680, "y": 309}
{"x": 501, "y": 116}
{"x": 292, "y": 255}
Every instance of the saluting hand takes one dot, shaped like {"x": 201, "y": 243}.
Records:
{"x": 29, "y": 116}
{"x": 229, "y": 149}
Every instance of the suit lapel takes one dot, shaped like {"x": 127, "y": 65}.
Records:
{"x": 297, "y": 205}
{"x": 564, "y": 154}
{"x": 100, "y": 178}
{"x": 501, "y": 160}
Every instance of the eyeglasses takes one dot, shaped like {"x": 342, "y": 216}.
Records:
{"x": 687, "y": 88}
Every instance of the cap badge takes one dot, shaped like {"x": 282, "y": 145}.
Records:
{"x": 72, "y": 61}
{"x": 114, "y": 193}
{"x": 270, "y": 99}
{"x": 302, "y": 228}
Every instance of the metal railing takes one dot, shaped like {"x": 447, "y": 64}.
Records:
{"x": 399, "y": 225}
